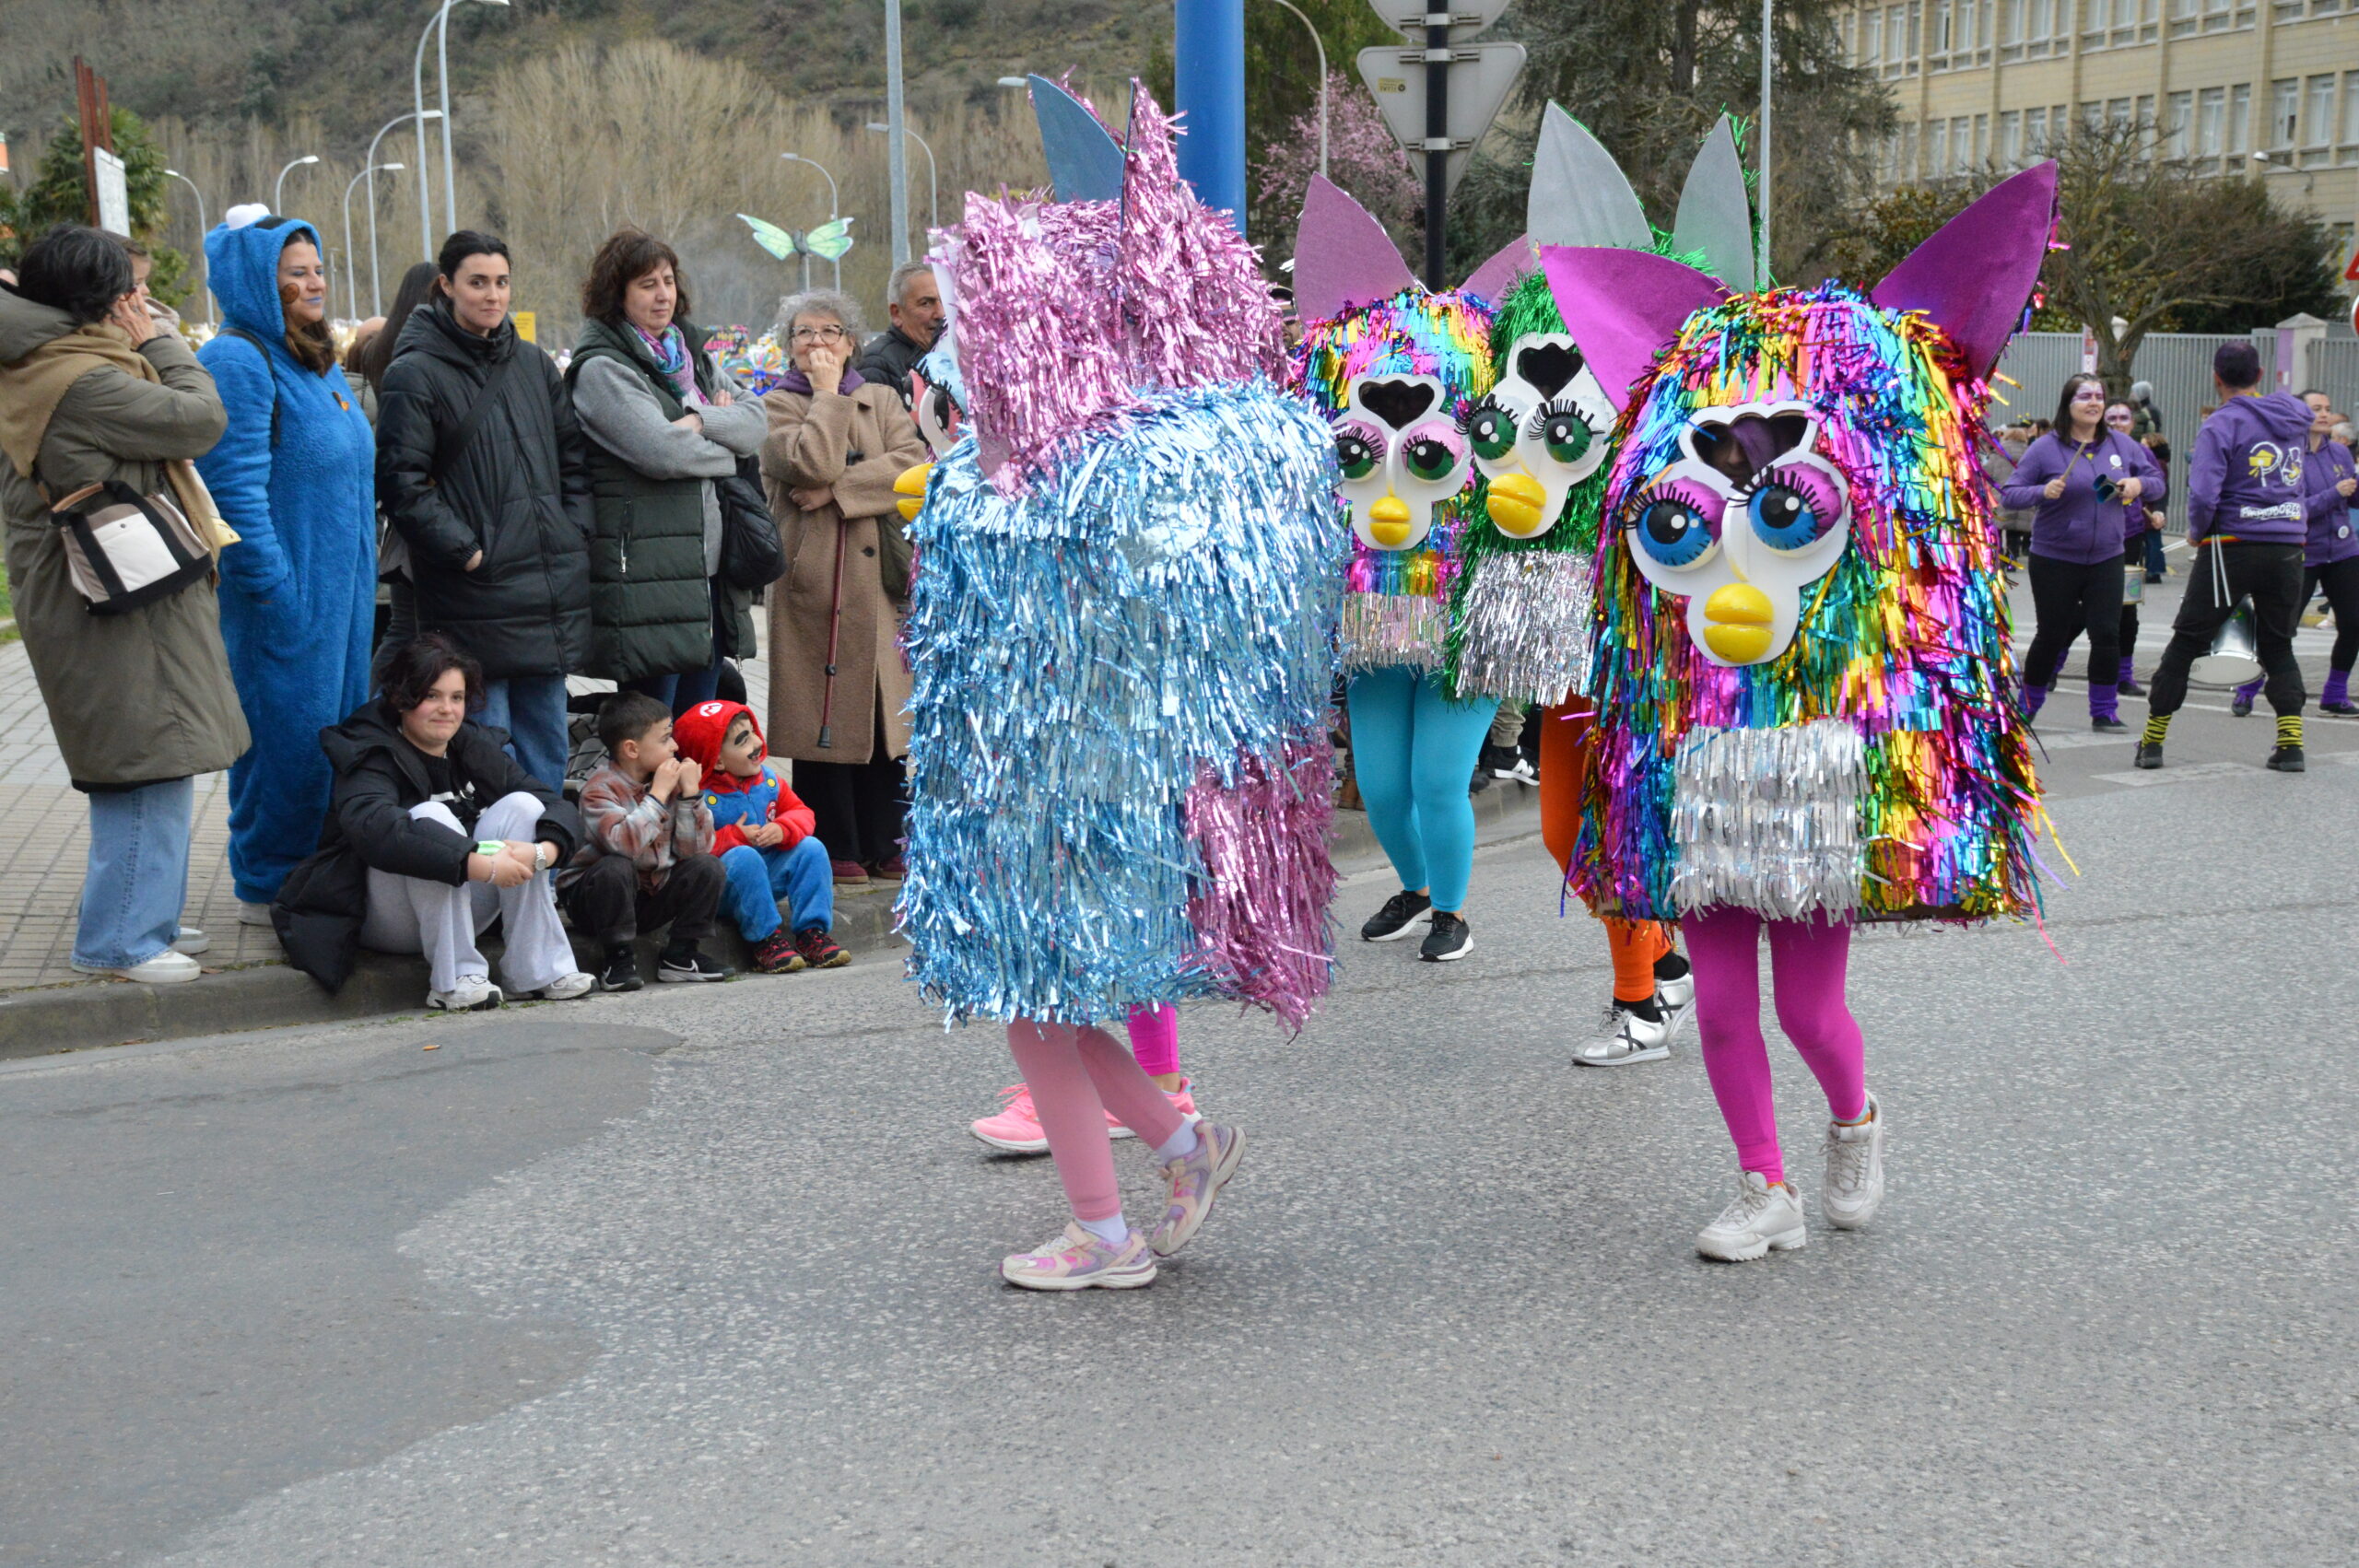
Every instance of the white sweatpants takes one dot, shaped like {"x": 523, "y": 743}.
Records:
{"x": 408, "y": 914}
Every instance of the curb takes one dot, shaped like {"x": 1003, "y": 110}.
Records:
{"x": 45, "y": 1020}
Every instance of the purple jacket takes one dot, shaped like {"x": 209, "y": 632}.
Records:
{"x": 2332, "y": 537}
{"x": 2079, "y": 526}
{"x": 2245, "y": 481}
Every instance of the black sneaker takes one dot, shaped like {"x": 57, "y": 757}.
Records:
{"x": 2286, "y": 759}
{"x": 620, "y": 971}
{"x": 2240, "y": 705}
{"x": 2150, "y": 754}
{"x": 2106, "y": 723}
{"x": 1500, "y": 760}
{"x": 686, "y": 968}
{"x": 2130, "y": 686}
{"x": 2341, "y": 709}
{"x": 1481, "y": 782}
{"x": 1403, "y": 913}
{"x": 1449, "y": 940}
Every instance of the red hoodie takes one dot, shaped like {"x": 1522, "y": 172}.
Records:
{"x": 734, "y": 802}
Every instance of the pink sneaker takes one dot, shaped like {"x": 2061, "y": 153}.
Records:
{"x": 1182, "y": 1100}
{"x": 1017, "y": 1128}
{"x": 1075, "y": 1260}
{"x": 1196, "y": 1179}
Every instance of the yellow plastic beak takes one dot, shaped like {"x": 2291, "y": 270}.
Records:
{"x": 910, "y": 488}
{"x": 1515, "y": 502}
{"x": 1388, "y": 521}
{"x": 1738, "y": 616}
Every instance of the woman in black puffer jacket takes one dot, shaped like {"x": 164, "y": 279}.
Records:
{"x": 493, "y": 501}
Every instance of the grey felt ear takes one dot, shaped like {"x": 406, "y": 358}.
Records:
{"x": 1578, "y": 193}
{"x": 1715, "y": 215}
{"x": 1084, "y": 161}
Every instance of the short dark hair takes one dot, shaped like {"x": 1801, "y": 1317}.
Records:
{"x": 2237, "y": 365}
{"x": 628, "y": 255}
{"x": 416, "y": 665}
{"x": 626, "y": 716}
{"x": 76, "y": 269}
{"x": 2073, "y": 383}
{"x": 464, "y": 244}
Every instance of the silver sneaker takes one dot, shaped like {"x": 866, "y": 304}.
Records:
{"x": 1625, "y": 1037}
{"x": 1761, "y": 1219}
{"x": 1853, "y": 1188}
{"x": 1074, "y": 1259}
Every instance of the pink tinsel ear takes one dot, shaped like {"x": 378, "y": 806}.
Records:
{"x": 1972, "y": 277}
{"x": 1494, "y": 277}
{"x": 1342, "y": 257}
{"x": 1623, "y": 307}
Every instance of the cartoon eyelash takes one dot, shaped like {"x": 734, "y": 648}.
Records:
{"x": 1686, "y": 491}
{"x": 1537, "y": 422}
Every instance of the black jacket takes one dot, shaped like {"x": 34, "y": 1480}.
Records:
{"x": 889, "y": 357}
{"x": 520, "y": 492}
{"x": 379, "y": 777}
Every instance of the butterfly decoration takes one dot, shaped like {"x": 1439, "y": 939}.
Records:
{"x": 828, "y": 241}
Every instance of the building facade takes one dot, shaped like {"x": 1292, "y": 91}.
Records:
{"x": 2267, "y": 87}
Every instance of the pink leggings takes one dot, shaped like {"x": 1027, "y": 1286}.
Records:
{"x": 1076, "y": 1075}
{"x": 1806, "y": 958}
{"x": 1154, "y": 1040}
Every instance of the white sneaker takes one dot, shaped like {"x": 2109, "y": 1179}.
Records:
{"x": 166, "y": 968}
{"x": 1853, "y": 1187}
{"x": 471, "y": 996}
{"x": 192, "y": 942}
{"x": 1676, "y": 997}
{"x": 565, "y": 988}
{"x": 1759, "y": 1219}
{"x": 253, "y": 914}
{"x": 1625, "y": 1037}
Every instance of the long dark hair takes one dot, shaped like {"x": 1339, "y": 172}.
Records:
{"x": 2073, "y": 383}
{"x": 371, "y": 359}
{"x": 310, "y": 342}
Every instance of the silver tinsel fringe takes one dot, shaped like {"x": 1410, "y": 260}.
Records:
{"x": 1383, "y": 629}
{"x": 1526, "y": 634}
{"x": 1768, "y": 820}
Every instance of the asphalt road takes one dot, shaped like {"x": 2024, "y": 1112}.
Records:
{"x": 707, "y": 1279}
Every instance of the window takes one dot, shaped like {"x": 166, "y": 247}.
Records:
{"x": 1937, "y": 149}
{"x": 2040, "y": 26}
{"x": 1981, "y": 140}
{"x": 2351, "y": 107}
{"x": 1939, "y": 35}
{"x": 2117, "y": 114}
{"x": 2240, "y": 119}
{"x": 2144, "y": 116}
{"x": 2321, "y": 111}
{"x": 2092, "y": 116}
{"x": 1895, "y": 33}
{"x": 1872, "y": 38}
{"x": 2182, "y": 17}
{"x": 2210, "y": 122}
{"x": 2284, "y": 104}
{"x": 2011, "y": 136}
{"x": 2216, "y": 15}
{"x": 2176, "y": 122}
{"x": 2034, "y": 131}
{"x": 1909, "y": 152}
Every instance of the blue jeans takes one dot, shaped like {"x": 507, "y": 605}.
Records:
{"x": 532, "y": 709}
{"x": 759, "y": 878}
{"x": 138, "y": 881}
{"x": 1412, "y": 756}
{"x": 679, "y": 691}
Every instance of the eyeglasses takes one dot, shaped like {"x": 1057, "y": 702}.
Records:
{"x": 819, "y": 335}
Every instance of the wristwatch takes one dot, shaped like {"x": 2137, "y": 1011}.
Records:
{"x": 540, "y": 857}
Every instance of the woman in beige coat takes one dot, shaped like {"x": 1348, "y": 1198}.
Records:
{"x": 839, "y": 685}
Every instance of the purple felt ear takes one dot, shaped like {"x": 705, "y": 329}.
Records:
{"x": 1494, "y": 277}
{"x": 1342, "y": 257}
{"x": 1622, "y": 307}
{"x": 1972, "y": 277}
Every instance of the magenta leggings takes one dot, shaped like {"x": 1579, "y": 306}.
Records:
{"x": 1806, "y": 960}
{"x": 1076, "y": 1075}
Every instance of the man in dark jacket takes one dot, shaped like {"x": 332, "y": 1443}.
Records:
{"x": 2248, "y": 518}
{"x": 914, "y": 302}
{"x": 484, "y": 472}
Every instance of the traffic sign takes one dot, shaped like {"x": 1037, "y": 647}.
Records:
{"x": 1481, "y": 77}
{"x": 1464, "y": 17}
{"x": 2350, "y": 274}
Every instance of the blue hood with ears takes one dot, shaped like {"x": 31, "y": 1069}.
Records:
{"x": 241, "y": 268}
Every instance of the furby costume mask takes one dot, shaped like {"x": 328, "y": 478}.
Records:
{"x": 1806, "y": 705}
{"x": 1119, "y": 629}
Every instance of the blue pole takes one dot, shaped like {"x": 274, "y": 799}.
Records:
{"x": 1208, "y": 78}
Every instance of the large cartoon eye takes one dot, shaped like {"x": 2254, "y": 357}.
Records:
{"x": 1491, "y": 431}
{"x": 1793, "y": 506}
{"x": 1677, "y": 524}
{"x": 1433, "y": 454}
{"x": 1429, "y": 460}
{"x": 1565, "y": 435}
{"x": 1358, "y": 451}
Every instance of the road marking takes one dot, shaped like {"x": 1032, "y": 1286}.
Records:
{"x": 2139, "y": 778}
{"x": 2069, "y": 742}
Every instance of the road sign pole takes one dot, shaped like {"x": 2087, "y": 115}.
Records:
{"x": 1436, "y": 145}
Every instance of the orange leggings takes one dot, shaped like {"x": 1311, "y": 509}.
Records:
{"x": 1567, "y": 744}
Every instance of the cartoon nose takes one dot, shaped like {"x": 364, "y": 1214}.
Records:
{"x": 1738, "y": 616}
{"x": 911, "y": 490}
{"x": 1516, "y": 503}
{"x": 1388, "y": 521}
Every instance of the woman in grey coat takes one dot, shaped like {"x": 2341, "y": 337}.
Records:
{"x": 664, "y": 422}
{"x": 92, "y": 389}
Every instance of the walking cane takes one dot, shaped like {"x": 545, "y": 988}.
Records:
{"x": 835, "y": 630}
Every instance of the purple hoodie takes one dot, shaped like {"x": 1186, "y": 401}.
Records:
{"x": 2079, "y": 526}
{"x": 2332, "y": 537}
{"x": 2245, "y": 482}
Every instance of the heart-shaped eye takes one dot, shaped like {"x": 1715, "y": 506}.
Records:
{"x": 1548, "y": 367}
{"x": 1398, "y": 403}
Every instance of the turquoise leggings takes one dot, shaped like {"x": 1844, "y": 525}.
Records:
{"x": 1412, "y": 753}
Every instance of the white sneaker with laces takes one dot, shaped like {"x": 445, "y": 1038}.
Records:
{"x": 472, "y": 994}
{"x": 166, "y": 968}
{"x": 1625, "y": 1037}
{"x": 1759, "y": 1219}
{"x": 192, "y": 942}
{"x": 1853, "y": 1185}
{"x": 565, "y": 988}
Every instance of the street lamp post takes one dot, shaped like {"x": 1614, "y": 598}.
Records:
{"x": 1320, "y": 44}
{"x": 442, "y": 18}
{"x": 278, "y": 191}
{"x": 442, "y": 66}
{"x": 351, "y": 289}
{"x": 932, "y": 175}
{"x": 211, "y": 310}
{"x": 376, "y": 292}
{"x": 1768, "y": 57}
{"x": 896, "y": 153}
{"x": 836, "y": 268}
